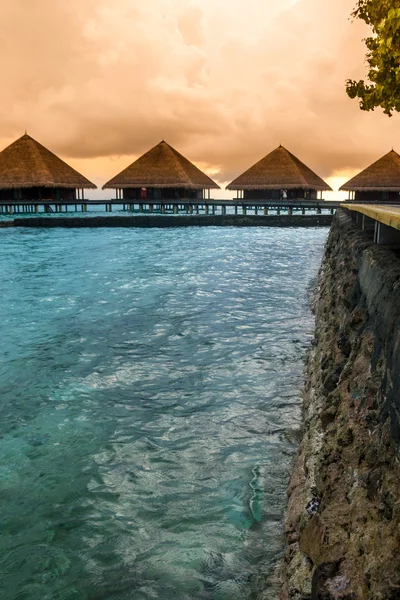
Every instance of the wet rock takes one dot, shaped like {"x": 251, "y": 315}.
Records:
{"x": 343, "y": 524}
{"x": 372, "y": 482}
{"x": 345, "y": 437}
{"x": 328, "y": 416}
{"x": 331, "y": 584}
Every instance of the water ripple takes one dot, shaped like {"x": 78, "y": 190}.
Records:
{"x": 150, "y": 398}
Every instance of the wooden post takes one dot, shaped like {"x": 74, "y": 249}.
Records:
{"x": 223, "y": 209}
{"x": 163, "y": 208}
{"x": 244, "y": 209}
{"x": 303, "y": 211}
{"x": 213, "y": 209}
{"x": 278, "y": 210}
{"x": 290, "y": 211}
{"x": 151, "y": 208}
{"x": 141, "y": 208}
{"x": 236, "y": 209}
{"x": 265, "y": 211}
{"x": 191, "y": 209}
{"x": 206, "y": 209}
{"x": 176, "y": 208}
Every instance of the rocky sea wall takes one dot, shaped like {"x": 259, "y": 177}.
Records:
{"x": 174, "y": 221}
{"x": 343, "y": 520}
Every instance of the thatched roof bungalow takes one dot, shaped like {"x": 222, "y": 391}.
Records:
{"x": 28, "y": 171}
{"x": 378, "y": 183}
{"x": 279, "y": 175}
{"x": 162, "y": 173}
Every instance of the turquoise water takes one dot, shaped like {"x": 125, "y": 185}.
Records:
{"x": 150, "y": 399}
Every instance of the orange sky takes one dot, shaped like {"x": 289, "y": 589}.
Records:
{"x": 101, "y": 81}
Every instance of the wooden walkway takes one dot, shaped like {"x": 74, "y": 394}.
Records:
{"x": 190, "y": 207}
{"x": 382, "y": 221}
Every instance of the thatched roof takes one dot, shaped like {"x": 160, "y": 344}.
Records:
{"x": 383, "y": 175}
{"x": 26, "y": 163}
{"x": 278, "y": 170}
{"x": 162, "y": 167}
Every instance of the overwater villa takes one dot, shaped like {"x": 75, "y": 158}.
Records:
{"x": 28, "y": 171}
{"x": 162, "y": 173}
{"x": 378, "y": 183}
{"x": 279, "y": 175}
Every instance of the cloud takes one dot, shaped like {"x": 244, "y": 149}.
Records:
{"x": 101, "y": 81}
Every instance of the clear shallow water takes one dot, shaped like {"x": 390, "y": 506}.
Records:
{"x": 150, "y": 394}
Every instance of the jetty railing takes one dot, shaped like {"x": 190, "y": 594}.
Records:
{"x": 382, "y": 222}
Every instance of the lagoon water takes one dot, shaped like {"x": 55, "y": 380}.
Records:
{"x": 149, "y": 405}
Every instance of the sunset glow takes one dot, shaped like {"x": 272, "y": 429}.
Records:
{"x": 100, "y": 82}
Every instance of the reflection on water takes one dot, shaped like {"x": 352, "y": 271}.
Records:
{"x": 150, "y": 391}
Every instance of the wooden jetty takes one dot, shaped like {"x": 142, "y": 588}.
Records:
{"x": 381, "y": 222}
{"x": 172, "y": 206}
